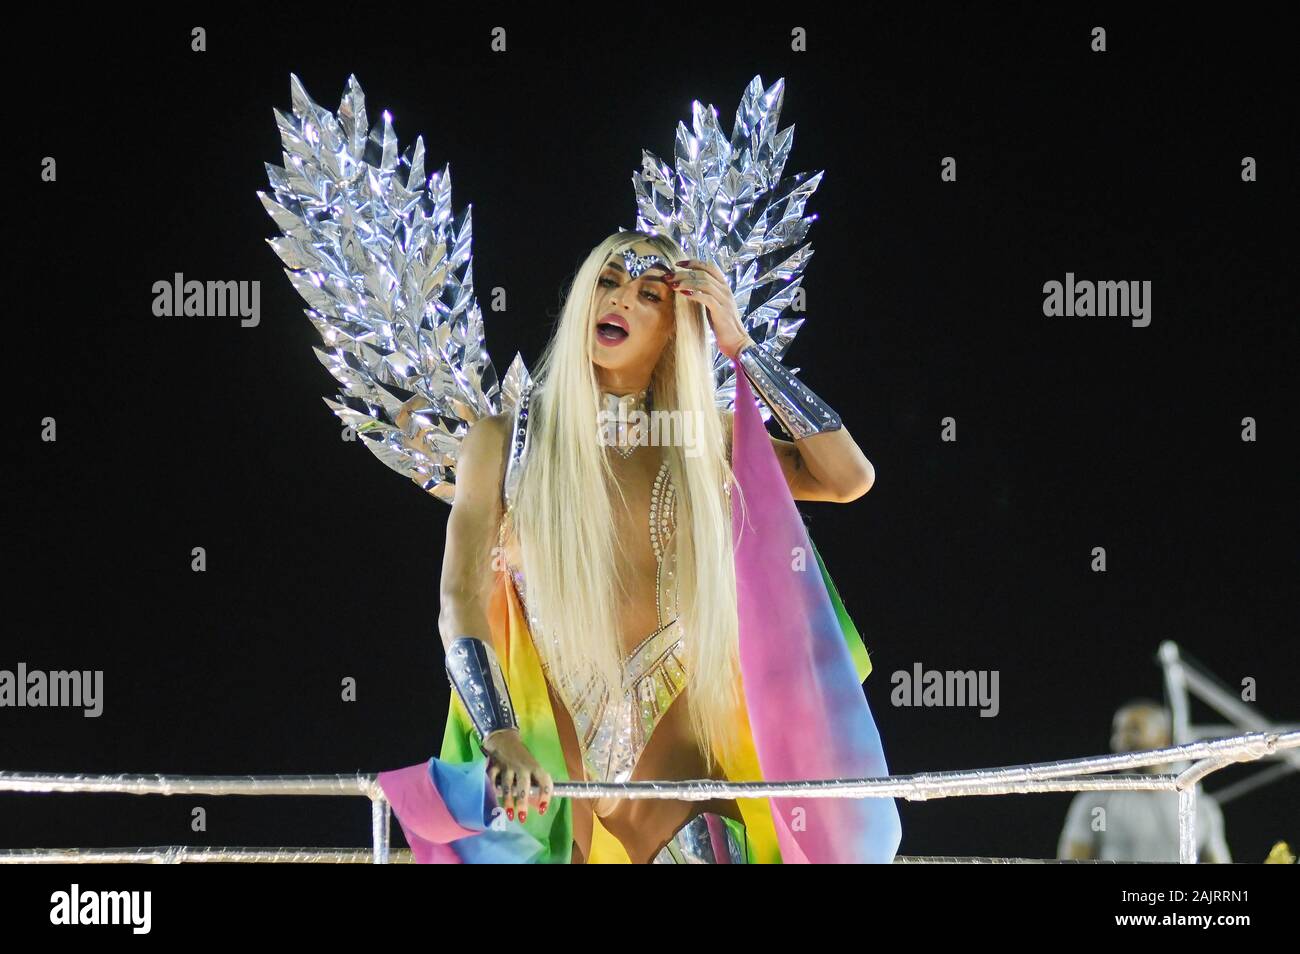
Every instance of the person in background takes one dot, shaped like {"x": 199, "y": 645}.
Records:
{"x": 1139, "y": 826}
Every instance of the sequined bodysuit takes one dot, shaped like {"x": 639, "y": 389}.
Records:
{"x": 614, "y": 731}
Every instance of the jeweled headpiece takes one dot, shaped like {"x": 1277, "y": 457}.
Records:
{"x": 637, "y": 264}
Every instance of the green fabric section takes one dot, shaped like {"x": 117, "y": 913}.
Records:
{"x": 738, "y": 832}
{"x": 554, "y": 829}
{"x": 852, "y": 638}
{"x": 459, "y": 744}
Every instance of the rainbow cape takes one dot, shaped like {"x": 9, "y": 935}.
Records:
{"x": 805, "y": 716}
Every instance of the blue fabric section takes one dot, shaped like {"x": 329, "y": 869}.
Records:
{"x": 464, "y": 790}
{"x": 463, "y": 787}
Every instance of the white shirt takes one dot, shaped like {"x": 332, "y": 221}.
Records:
{"x": 1140, "y": 826}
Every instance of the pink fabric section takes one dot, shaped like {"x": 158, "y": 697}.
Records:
{"x": 425, "y": 819}
{"x": 718, "y": 838}
{"x": 808, "y": 716}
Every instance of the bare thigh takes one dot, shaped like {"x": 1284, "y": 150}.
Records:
{"x": 645, "y": 825}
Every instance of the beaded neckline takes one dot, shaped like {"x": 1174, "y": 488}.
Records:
{"x": 620, "y": 408}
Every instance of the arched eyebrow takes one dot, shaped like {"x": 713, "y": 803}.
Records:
{"x": 618, "y": 267}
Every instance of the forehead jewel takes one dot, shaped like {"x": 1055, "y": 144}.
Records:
{"x": 636, "y": 264}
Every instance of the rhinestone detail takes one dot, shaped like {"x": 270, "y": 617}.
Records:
{"x": 613, "y": 733}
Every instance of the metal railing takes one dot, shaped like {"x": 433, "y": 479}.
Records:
{"x": 1074, "y": 775}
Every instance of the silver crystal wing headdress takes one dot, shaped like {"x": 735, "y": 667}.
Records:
{"x": 387, "y": 275}
{"x": 725, "y": 202}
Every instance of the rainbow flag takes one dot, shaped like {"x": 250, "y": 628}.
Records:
{"x": 805, "y": 716}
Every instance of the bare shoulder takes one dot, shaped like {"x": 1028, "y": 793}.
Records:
{"x": 495, "y": 424}
{"x": 480, "y": 466}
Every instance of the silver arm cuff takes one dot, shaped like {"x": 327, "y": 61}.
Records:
{"x": 798, "y": 410}
{"x": 475, "y": 674}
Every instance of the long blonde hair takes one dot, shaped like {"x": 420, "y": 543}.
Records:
{"x": 563, "y": 512}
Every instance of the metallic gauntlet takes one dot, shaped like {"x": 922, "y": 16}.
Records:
{"x": 798, "y": 410}
{"x": 475, "y": 674}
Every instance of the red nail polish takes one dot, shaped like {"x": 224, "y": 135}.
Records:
{"x": 523, "y": 816}
{"x": 510, "y": 813}
{"x": 685, "y": 261}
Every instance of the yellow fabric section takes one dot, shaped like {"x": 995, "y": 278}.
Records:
{"x": 523, "y": 672}
{"x": 741, "y": 765}
{"x": 605, "y": 848}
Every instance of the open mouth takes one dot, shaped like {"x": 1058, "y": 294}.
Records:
{"x": 612, "y": 330}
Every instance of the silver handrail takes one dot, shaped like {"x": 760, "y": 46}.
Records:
{"x": 1207, "y": 756}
